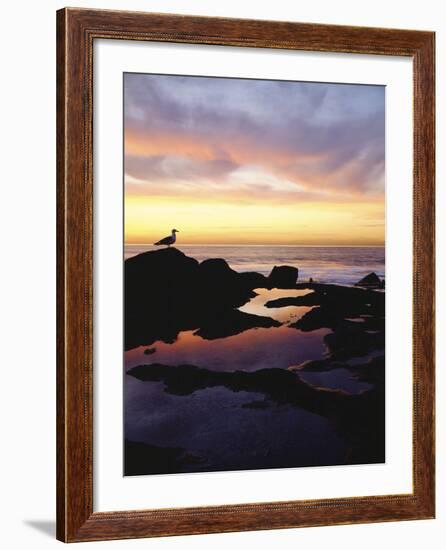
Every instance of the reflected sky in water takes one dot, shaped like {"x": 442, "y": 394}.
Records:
{"x": 250, "y": 350}
{"x": 227, "y": 430}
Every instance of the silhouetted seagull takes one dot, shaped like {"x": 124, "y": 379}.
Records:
{"x": 168, "y": 240}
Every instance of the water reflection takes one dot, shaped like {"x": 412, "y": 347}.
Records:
{"x": 251, "y": 350}
{"x": 256, "y": 306}
{"x": 338, "y": 379}
{"x": 228, "y": 430}
{"x": 221, "y": 434}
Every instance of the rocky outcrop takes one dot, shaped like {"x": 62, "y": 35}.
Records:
{"x": 371, "y": 281}
{"x": 283, "y": 276}
{"x": 355, "y": 316}
{"x": 167, "y": 292}
{"x": 143, "y": 458}
{"x": 231, "y": 322}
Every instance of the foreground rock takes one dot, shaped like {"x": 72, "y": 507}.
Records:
{"x": 142, "y": 459}
{"x": 167, "y": 292}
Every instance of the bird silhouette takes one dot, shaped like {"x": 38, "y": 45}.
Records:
{"x": 168, "y": 240}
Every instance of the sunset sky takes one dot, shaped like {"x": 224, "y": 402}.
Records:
{"x": 234, "y": 161}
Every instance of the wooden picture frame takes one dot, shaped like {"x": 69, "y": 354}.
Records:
{"x": 76, "y": 31}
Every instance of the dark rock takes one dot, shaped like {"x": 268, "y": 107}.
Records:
{"x": 372, "y": 372}
{"x": 318, "y": 317}
{"x": 311, "y": 299}
{"x": 283, "y": 276}
{"x": 370, "y": 281}
{"x": 222, "y": 285}
{"x": 348, "y": 339}
{"x": 254, "y": 280}
{"x": 355, "y": 315}
{"x": 347, "y": 301}
{"x": 230, "y": 322}
{"x": 143, "y": 459}
{"x": 216, "y": 272}
{"x": 167, "y": 292}
{"x": 335, "y": 303}
{"x": 157, "y": 296}
{"x": 140, "y": 458}
{"x": 347, "y": 342}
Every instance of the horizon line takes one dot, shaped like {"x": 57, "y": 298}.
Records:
{"x": 266, "y": 244}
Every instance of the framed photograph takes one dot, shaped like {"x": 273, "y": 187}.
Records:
{"x": 245, "y": 275}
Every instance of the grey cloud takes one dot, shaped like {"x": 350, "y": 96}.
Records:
{"x": 176, "y": 167}
{"x": 336, "y": 123}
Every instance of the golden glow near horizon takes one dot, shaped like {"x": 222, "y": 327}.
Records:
{"x": 210, "y": 222}
{"x": 300, "y": 164}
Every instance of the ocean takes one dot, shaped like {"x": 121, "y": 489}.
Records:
{"x": 343, "y": 265}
